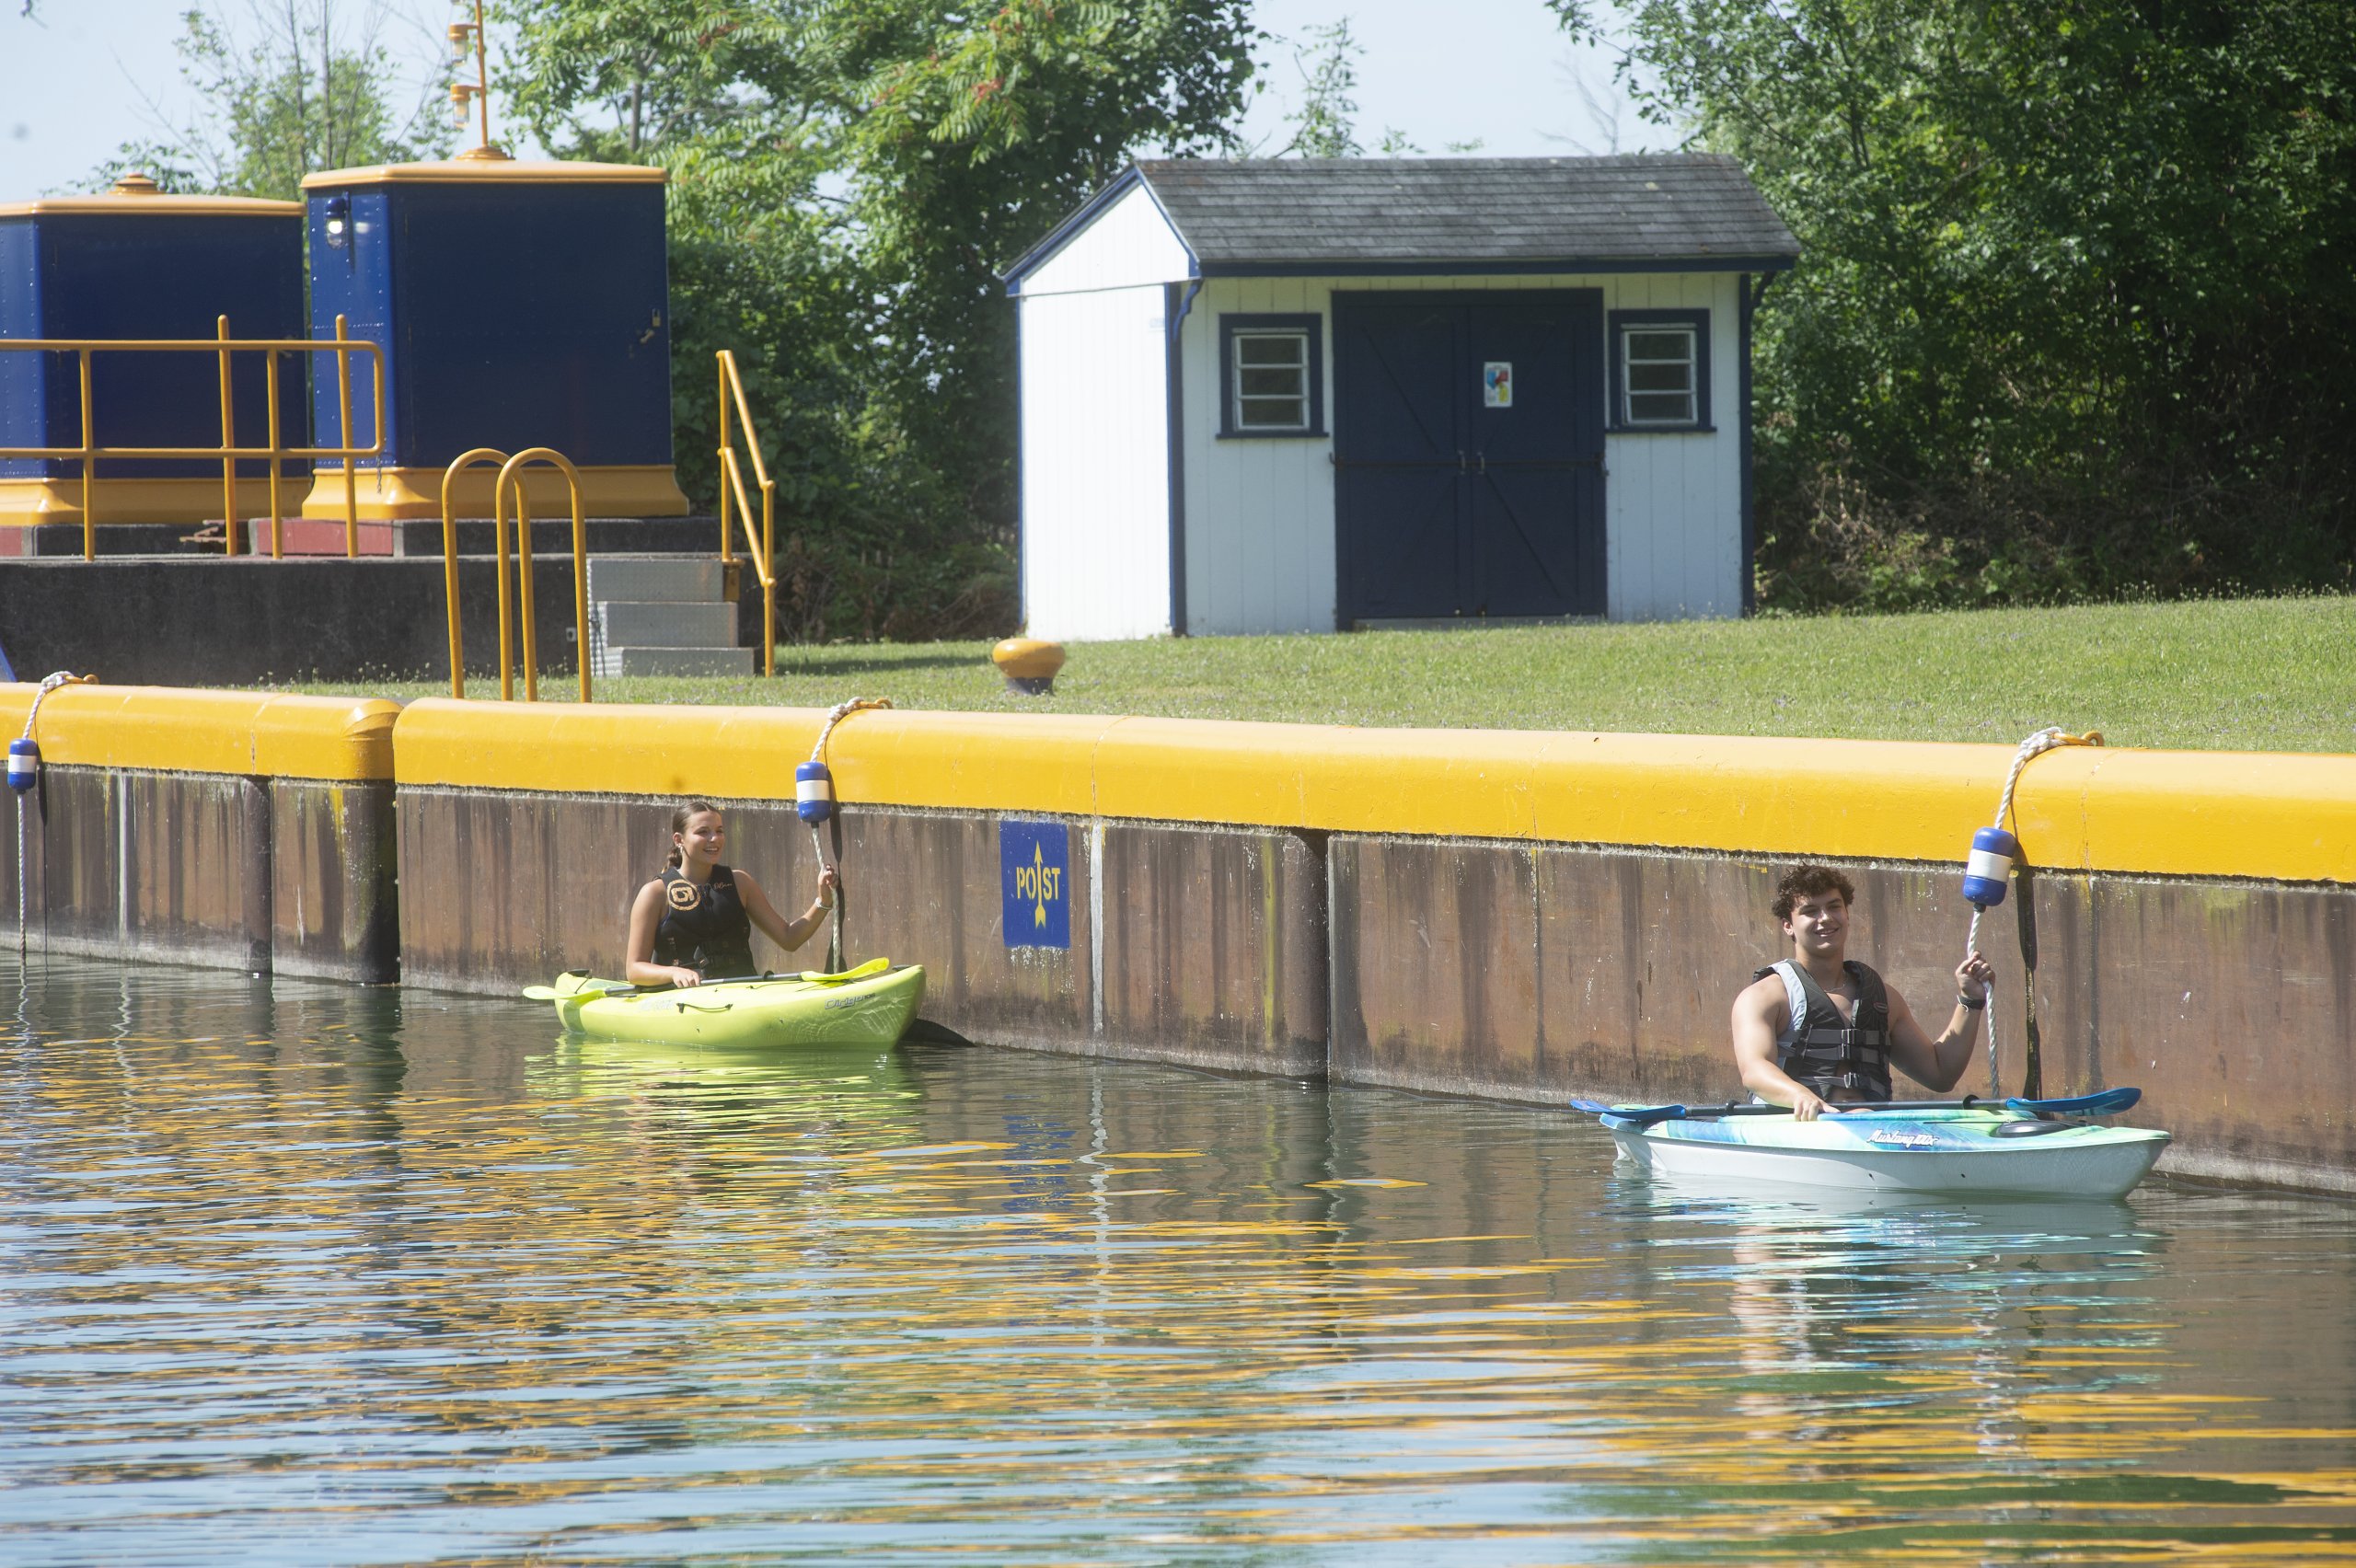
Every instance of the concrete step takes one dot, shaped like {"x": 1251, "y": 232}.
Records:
{"x": 636, "y": 623}
{"x": 644, "y": 580}
{"x": 673, "y": 661}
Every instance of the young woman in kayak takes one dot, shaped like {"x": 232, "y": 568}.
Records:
{"x": 1819, "y": 1030}
{"x": 694, "y": 922}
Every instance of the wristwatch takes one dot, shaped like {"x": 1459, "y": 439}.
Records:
{"x": 1973, "y": 1003}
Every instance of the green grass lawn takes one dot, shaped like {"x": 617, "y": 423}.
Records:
{"x": 2262, "y": 674}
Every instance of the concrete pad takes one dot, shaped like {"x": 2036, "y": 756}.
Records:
{"x": 681, "y": 580}
{"x": 632, "y": 623}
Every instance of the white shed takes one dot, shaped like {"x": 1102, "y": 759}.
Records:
{"x": 1297, "y": 395}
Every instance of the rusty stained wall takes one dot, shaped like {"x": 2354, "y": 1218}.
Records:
{"x": 1539, "y": 972}
{"x": 2228, "y": 1003}
{"x": 1214, "y": 947}
{"x": 1213, "y": 940}
{"x": 134, "y": 864}
{"x": 923, "y": 887}
{"x": 333, "y": 906}
{"x": 502, "y": 890}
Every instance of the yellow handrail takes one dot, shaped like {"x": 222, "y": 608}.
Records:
{"x": 511, "y": 474}
{"x": 343, "y": 347}
{"x": 731, "y": 473}
{"x": 450, "y": 567}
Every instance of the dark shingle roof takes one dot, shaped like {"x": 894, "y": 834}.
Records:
{"x": 1405, "y": 213}
{"x": 1648, "y": 206}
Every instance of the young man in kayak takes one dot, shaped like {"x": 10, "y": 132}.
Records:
{"x": 1819, "y": 1030}
{"x": 694, "y": 922}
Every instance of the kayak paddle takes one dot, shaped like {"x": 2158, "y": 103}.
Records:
{"x": 2108, "y": 1102}
{"x": 873, "y": 967}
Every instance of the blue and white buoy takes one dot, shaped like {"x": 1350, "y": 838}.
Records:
{"x": 813, "y": 792}
{"x": 24, "y": 763}
{"x": 1989, "y": 869}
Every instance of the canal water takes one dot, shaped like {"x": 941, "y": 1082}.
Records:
{"x": 300, "y": 1273}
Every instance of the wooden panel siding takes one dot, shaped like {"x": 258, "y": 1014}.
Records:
{"x": 1673, "y": 500}
{"x": 1259, "y": 512}
{"x": 1095, "y": 465}
{"x": 1130, "y": 243}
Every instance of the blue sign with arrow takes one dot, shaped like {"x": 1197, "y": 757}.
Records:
{"x": 1034, "y": 872}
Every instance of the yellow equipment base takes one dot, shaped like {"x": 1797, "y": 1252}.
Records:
{"x": 402, "y": 494}
{"x": 27, "y": 501}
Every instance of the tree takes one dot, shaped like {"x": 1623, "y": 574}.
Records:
{"x": 2073, "y": 313}
{"x": 630, "y": 79}
{"x": 1324, "y": 121}
{"x": 848, "y": 178}
{"x": 300, "y": 86}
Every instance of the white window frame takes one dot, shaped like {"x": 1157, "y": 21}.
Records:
{"x": 1308, "y": 332}
{"x": 1695, "y": 325}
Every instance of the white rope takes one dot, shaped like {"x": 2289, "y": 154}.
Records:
{"x": 2044, "y": 740}
{"x": 836, "y": 715}
{"x": 24, "y": 904}
{"x": 49, "y": 684}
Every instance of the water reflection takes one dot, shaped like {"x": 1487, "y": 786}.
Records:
{"x": 314, "y": 1275}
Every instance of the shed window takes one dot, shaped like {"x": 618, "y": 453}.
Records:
{"x": 1660, "y": 371}
{"x": 1272, "y": 376}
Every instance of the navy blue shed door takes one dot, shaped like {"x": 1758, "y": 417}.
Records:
{"x": 1455, "y": 497}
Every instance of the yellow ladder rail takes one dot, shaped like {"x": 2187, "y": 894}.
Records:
{"x": 731, "y": 473}
{"x": 511, "y": 476}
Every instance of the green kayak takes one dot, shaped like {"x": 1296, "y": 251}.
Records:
{"x": 872, "y": 1005}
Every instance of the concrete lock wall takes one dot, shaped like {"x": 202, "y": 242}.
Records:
{"x": 1526, "y": 917}
{"x": 210, "y": 620}
{"x": 1514, "y": 916}
{"x": 229, "y": 828}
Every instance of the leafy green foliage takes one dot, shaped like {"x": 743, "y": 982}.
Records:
{"x": 618, "y": 79}
{"x": 2074, "y": 315}
{"x": 300, "y": 89}
{"x": 848, "y": 178}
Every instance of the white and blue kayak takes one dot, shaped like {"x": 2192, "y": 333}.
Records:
{"x": 2018, "y": 1149}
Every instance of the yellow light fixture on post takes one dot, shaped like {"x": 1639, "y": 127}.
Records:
{"x": 462, "y": 34}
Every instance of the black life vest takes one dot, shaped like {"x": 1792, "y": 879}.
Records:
{"x": 1832, "y": 1054}
{"x": 704, "y": 924}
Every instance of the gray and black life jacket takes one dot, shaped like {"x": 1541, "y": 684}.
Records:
{"x": 1834, "y": 1057}
{"x": 705, "y": 927}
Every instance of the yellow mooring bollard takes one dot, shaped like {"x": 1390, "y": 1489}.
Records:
{"x": 1029, "y": 664}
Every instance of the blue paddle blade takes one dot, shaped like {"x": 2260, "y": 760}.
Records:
{"x": 2109, "y": 1102}
{"x": 1634, "y": 1115}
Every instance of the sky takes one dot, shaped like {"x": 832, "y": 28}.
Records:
{"x": 90, "y": 74}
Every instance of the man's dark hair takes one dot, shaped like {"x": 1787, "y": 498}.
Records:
{"x": 1810, "y": 881}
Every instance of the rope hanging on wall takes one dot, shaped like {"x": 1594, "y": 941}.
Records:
{"x": 814, "y": 801}
{"x": 1995, "y": 855}
{"x": 24, "y": 775}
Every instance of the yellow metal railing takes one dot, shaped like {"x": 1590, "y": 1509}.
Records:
{"x": 90, "y": 453}
{"x": 511, "y": 475}
{"x": 731, "y": 474}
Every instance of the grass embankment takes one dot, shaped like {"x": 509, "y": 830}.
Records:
{"x": 2258, "y": 675}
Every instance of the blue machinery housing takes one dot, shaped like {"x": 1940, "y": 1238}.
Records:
{"x": 515, "y": 306}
